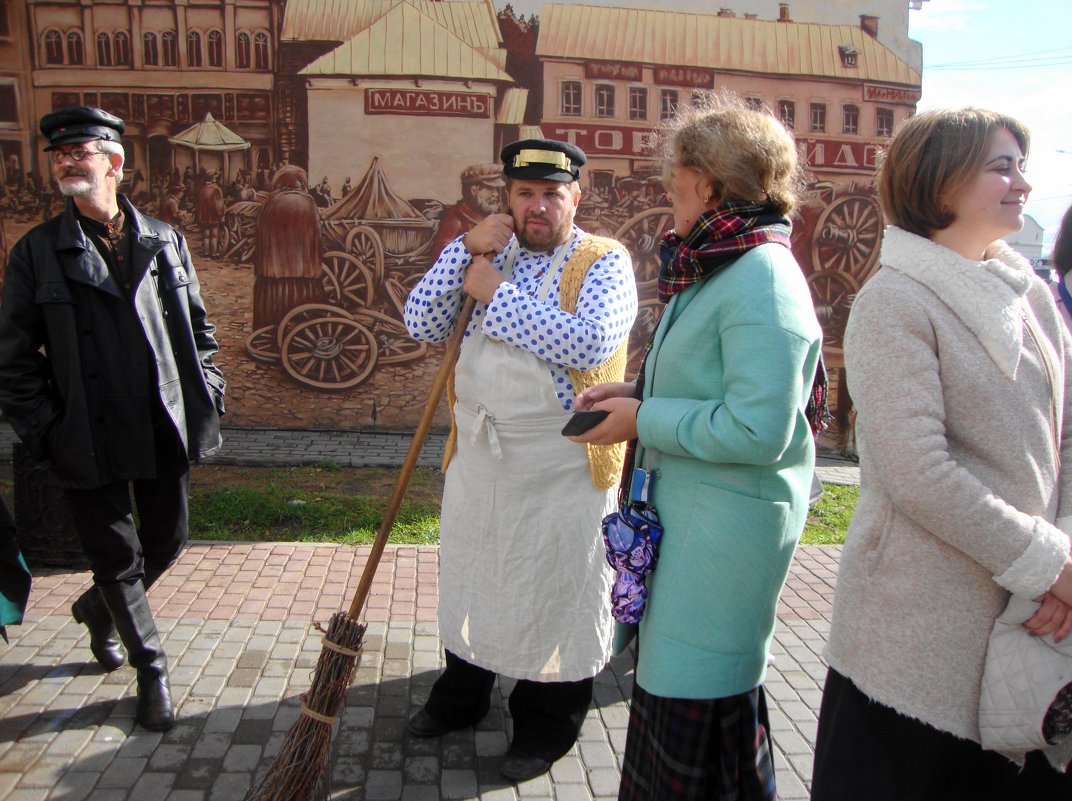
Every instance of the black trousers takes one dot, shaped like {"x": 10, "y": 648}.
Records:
{"x": 117, "y": 549}
{"x": 547, "y": 715}
{"x": 865, "y": 751}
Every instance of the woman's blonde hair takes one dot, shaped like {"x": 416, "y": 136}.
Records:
{"x": 931, "y": 158}
{"x": 745, "y": 153}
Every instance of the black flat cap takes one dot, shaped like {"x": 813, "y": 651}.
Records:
{"x": 542, "y": 160}
{"x": 73, "y": 124}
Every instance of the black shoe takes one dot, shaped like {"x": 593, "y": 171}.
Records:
{"x": 134, "y": 622}
{"x": 422, "y": 724}
{"x": 154, "y": 711}
{"x": 519, "y": 767}
{"x": 91, "y": 610}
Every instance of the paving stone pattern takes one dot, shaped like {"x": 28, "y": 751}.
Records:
{"x": 235, "y": 619}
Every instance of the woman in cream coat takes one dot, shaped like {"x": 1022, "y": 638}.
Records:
{"x": 958, "y": 366}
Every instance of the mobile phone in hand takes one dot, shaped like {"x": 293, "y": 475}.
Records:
{"x": 582, "y": 421}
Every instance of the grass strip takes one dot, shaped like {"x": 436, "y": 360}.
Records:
{"x": 828, "y": 518}
{"x": 320, "y": 505}
{"x": 280, "y": 514}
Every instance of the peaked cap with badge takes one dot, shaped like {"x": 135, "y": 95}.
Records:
{"x": 77, "y": 124}
{"x": 542, "y": 160}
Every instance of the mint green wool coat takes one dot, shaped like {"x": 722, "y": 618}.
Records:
{"x": 722, "y": 420}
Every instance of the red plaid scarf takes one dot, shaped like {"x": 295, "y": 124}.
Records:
{"x": 718, "y": 238}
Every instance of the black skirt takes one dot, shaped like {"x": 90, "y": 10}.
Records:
{"x": 865, "y": 750}
{"x": 683, "y": 749}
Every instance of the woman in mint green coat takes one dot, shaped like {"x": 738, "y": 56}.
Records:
{"x": 720, "y": 417}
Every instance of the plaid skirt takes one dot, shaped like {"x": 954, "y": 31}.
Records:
{"x": 716, "y": 749}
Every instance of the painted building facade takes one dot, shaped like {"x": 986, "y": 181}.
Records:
{"x": 373, "y": 110}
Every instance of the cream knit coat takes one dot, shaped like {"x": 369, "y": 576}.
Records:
{"x": 959, "y": 478}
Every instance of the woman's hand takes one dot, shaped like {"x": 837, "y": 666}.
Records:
{"x": 619, "y": 426}
{"x": 1053, "y": 617}
{"x": 601, "y": 392}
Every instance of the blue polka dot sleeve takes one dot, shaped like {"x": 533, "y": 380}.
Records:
{"x": 435, "y": 302}
{"x": 606, "y": 309}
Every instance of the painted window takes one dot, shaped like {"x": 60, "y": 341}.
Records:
{"x": 884, "y": 122}
{"x": 150, "y": 50}
{"x": 215, "y": 48}
{"x": 817, "y": 123}
{"x": 571, "y": 98}
{"x": 850, "y": 119}
{"x": 638, "y": 102}
{"x": 104, "y": 50}
{"x": 193, "y": 49}
{"x": 667, "y": 103}
{"x": 170, "y": 42}
{"x": 260, "y": 51}
{"x": 121, "y": 45}
{"x": 9, "y": 106}
{"x": 787, "y": 113}
{"x": 53, "y": 47}
{"x": 604, "y": 100}
{"x": 242, "y": 51}
{"x": 75, "y": 52}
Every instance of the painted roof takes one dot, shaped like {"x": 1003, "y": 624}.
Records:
{"x": 600, "y": 33}
{"x": 512, "y": 111}
{"x": 340, "y": 20}
{"x": 406, "y": 42}
{"x": 209, "y": 134}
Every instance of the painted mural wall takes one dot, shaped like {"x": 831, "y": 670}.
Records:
{"x": 319, "y": 155}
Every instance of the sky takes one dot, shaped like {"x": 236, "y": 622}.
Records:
{"x": 1015, "y": 58}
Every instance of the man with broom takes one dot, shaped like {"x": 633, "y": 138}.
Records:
{"x": 524, "y": 583}
{"x": 106, "y": 373}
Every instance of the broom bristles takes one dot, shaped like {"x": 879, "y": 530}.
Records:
{"x": 298, "y": 768}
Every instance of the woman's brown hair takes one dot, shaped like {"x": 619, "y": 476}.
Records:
{"x": 931, "y": 158}
{"x": 746, "y": 153}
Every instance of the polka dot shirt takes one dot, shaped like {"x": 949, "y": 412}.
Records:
{"x": 606, "y": 308}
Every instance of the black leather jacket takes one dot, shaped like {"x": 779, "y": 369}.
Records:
{"x": 69, "y": 382}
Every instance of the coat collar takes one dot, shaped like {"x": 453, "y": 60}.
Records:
{"x": 87, "y": 265}
{"x": 987, "y": 296}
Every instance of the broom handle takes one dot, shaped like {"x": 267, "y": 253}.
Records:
{"x": 450, "y": 358}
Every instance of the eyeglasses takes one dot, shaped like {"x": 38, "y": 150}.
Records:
{"x": 76, "y": 153}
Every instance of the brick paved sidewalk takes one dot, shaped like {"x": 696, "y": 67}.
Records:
{"x": 235, "y": 618}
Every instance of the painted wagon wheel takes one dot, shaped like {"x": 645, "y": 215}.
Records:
{"x": 642, "y": 235}
{"x": 647, "y": 320}
{"x": 835, "y": 291}
{"x": 239, "y": 235}
{"x": 365, "y": 244}
{"x": 846, "y": 237}
{"x": 393, "y": 341}
{"x": 261, "y": 345}
{"x": 398, "y": 287}
{"x": 329, "y": 353}
{"x": 302, "y": 314}
{"x": 347, "y": 282}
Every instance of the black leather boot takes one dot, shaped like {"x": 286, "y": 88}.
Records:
{"x": 91, "y": 610}
{"x": 134, "y": 622}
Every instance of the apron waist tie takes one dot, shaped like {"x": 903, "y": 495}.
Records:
{"x": 485, "y": 420}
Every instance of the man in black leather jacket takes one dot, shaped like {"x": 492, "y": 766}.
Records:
{"x": 106, "y": 373}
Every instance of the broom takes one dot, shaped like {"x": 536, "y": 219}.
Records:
{"x": 299, "y": 766}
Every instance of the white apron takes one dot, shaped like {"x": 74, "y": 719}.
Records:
{"x": 524, "y": 583}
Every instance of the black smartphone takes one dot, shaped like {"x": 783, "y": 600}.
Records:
{"x": 582, "y": 421}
